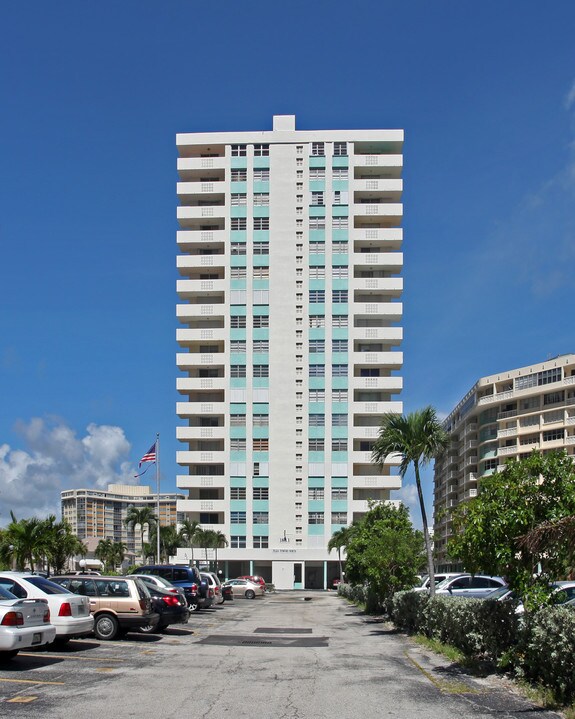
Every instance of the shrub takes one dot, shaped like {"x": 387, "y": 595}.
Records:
{"x": 407, "y": 610}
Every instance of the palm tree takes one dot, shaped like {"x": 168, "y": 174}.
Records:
{"x": 169, "y": 540}
{"x": 22, "y": 542}
{"x": 339, "y": 540}
{"x": 188, "y": 531}
{"x": 219, "y": 542}
{"x": 205, "y": 539}
{"x": 104, "y": 551}
{"x": 417, "y": 438}
{"x": 140, "y": 516}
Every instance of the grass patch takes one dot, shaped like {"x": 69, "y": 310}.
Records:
{"x": 447, "y": 650}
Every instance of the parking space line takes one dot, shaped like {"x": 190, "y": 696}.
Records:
{"x": 21, "y": 700}
{"x": 71, "y": 656}
{"x": 29, "y": 681}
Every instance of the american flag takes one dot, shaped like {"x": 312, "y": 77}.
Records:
{"x": 150, "y": 455}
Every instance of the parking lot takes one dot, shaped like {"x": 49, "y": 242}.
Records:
{"x": 290, "y": 655}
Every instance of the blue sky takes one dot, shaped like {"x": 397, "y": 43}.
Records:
{"x": 92, "y": 95}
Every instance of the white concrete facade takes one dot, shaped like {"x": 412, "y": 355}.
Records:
{"x": 289, "y": 252}
{"x": 505, "y": 415}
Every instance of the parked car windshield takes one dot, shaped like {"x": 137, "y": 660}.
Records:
{"x": 47, "y": 586}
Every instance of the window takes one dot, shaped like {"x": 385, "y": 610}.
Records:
{"x": 339, "y": 420}
{"x": 317, "y": 198}
{"x": 316, "y": 321}
{"x": 261, "y": 542}
{"x": 556, "y": 416}
{"x": 539, "y": 378}
{"x": 238, "y": 346}
{"x": 238, "y": 370}
{"x": 261, "y": 517}
{"x": 237, "y": 517}
{"x": 339, "y": 370}
{"x": 317, "y": 273}
{"x": 237, "y": 492}
{"x": 239, "y": 175}
{"x": 238, "y": 223}
{"x": 340, "y": 149}
{"x": 261, "y": 175}
{"x": 261, "y": 199}
{"x": 339, "y": 493}
{"x": 239, "y": 150}
{"x": 317, "y": 444}
{"x": 261, "y": 420}
{"x": 316, "y": 346}
{"x": 261, "y": 223}
{"x": 237, "y": 420}
{"x": 261, "y": 493}
{"x": 339, "y": 296}
{"x": 340, "y": 223}
{"x": 339, "y": 345}
{"x": 317, "y": 370}
{"x": 317, "y": 223}
{"x": 339, "y": 517}
{"x": 238, "y": 248}
{"x": 339, "y": 248}
{"x": 238, "y": 445}
{"x": 237, "y": 542}
{"x": 317, "y": 395}
{"x": 339, "y": 272}
{"x": 261, "y": 321}
{"x": 315, "y": 493}
{"x": 340, "y": 173}
{"x": 261, "y": 370}
{"x": 315, "y": 518}
{"x": 261, "y": 248}
{"x": 339, "y": 321}
{"x": 261, "y": 150}
{"x": 317, "y": 248}
{"x": 339, "y": 395}
{"x": 261, "y": 273}
{"x": 339, "y": 445}
{"x": 316, "y": 420}
{"x": 261, "y": 445}
{"x": 318, "y": 149}
{"x": 490, "y": 464}
{"x": 316, "y": 296}
{"x": 238, "y": 321}
{"x": 317, "y": 173}
{"x": 551, "y": 435}
{"x": 553, "y": 397}
{"x": 238, "y": 273}
{"x": 238, "y": 198}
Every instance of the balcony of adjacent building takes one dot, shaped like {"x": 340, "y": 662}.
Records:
{"x": 376, "y": 239}
{"x": 200, "y": 451}
{"x": 375, "y": 378}
{"x": 202, "y": 190}
{"x": 369, "y": 402}
{"x": 206, "y": 377}
{"x": 190, "y": 170}
{"x": 204, "y": 475}
{"x": 203, "y": 239}
{"x": 374, "y": 303}
{"x": 202, "y": 427}
{"x": 370, "y": 279}
{"x": 201, "y": 212}
{"x": 189, "y": 148}
{"x": 209, "y": 279}
{"x": 368, "y": 160}
{"x": 375, "y": 329}
{"x": 368, "y": 185}
{"x": 207, "y": 353}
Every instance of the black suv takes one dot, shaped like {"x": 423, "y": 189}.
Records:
{"x": 197, "y": 590}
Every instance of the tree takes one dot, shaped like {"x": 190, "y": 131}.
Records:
{"x": 339, "y": 540}
{"x": 188, "y": 532}
{"x": 169, "y": 540}
{"x": 104, "y": 552}
{"x": 205, "y": 539}
{"x": 22, "y": 543}
{"x": 491, "y": 531}
{"x": 417, "y": 438}
{"x": 141, "y": 516}
{"x": 384, "y": 553}
{"x": 219, "y": 542}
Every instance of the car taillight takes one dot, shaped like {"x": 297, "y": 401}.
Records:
{"x": 217, "y": 590}
{"x": 13, "y": 619}
{"x": 46, "y": 618}
{"x": 171, "y": 601}
{"x": 194, "y": 587}
{"x": 65, "y": 610}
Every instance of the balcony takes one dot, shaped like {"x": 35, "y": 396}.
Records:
{"x": 391, "y": 311}
{"x": 377, "y": 407}
{"x": 203, "y": 505}
{"x": 390, "y": 213}
{"x": 193, "y": 216}
{"x": 193, "y": 481}
{"x": 390, "y": 186}
{"x": 206, "y": 310}
{"x": 193, "y": 164}
{"x": 387, "y": 335}
{"x": 194, "y": 189}
{"x": 197, "y": 335}
{"x": 189, "y": 360}
{"x": 196, "y": 288}
{"x": 197, "y": 237}
{"x": 388, "y": 384}
{"x": 392, "y": 286}
{"x": 200, "y": 457}
{"x": 393, "y": 164}
{"x": 391, "y": 360}
{"x": 375, "y": 482}
{"x": 364, "y": 432}
{"x": 502, "y": 451}
{"x": 186, "y": 434}
{"x": 191, "y": 409}
{"x": 192, "y": 384}
{"x": 377, "y": 237}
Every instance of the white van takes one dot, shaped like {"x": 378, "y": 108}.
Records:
{"x": 215, "y": 584}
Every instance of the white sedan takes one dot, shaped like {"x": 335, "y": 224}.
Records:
{"x": 23, "y": 623}
{"x": 70, "y": 613}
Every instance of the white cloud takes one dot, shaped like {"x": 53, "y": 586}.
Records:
{"x": 408, "y": 495}
{"x": 570, "y": 97}
{"x": 54, "y": 459}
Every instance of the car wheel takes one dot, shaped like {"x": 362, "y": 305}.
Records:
{"x": 106, "y": 627}
{"x": 61, "y": 641}
{"x": 150, "y": 629}
{"x": 250, "y": 594}
{"x": 194, "y": 607}
{"x": 8, "y": 655}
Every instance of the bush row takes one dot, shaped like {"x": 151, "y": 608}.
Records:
{"x": 539, "y": 646}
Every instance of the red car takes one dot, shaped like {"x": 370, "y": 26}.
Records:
{"x": 255, "y": 579}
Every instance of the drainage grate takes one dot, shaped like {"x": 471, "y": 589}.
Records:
{"x": 252, "y": 642}
{"x": 282, "y": 630}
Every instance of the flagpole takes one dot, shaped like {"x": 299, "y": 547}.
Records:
{"x": 158, "y": 495}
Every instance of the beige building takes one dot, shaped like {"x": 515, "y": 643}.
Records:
{"x": 97, "y": 514}
{"x": 506, "y": 415}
